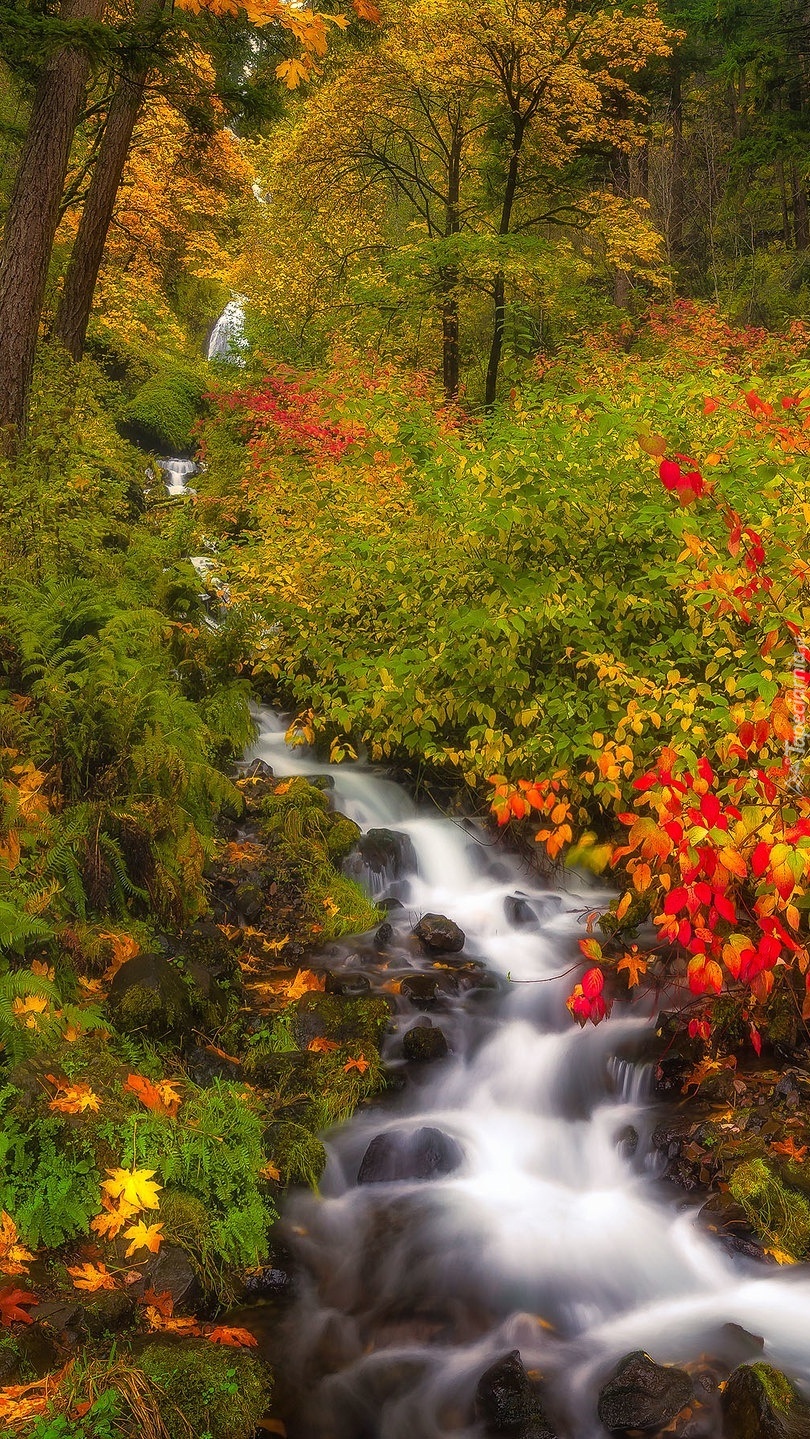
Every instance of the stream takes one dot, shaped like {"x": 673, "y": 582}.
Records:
{"x": 542, "y": 1226}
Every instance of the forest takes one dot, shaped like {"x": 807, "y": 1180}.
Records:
{"x": 404, "y": 719}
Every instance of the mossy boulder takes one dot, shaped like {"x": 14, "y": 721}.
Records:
{"x": 346, "y": 1019}
{"x": 108, "y": 1312}
{"x": 778, "y": 1215}
{"x": 759, "y": 1402}
{"x": 163, "y": 412}
{"x": 297, "y": 1154}
{"x": 152, "y": 994}
{"x": 207, "y": 1388}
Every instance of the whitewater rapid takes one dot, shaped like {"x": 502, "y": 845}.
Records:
{"x": 554, "y": 1237}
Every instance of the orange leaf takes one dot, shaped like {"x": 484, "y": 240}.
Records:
{"x": 305, "y": 980}
{"x": 72, "y": 1098}
{"x": 634, "y": 966}
{"x": 360, "y": 1063}
{"x": 238, "y": 1338}
{"x": 10, "y": 1300}
{"x": 790, "y": 1149}
{"x": 91, "y": 1277}
{"x": 321, "y": 1045}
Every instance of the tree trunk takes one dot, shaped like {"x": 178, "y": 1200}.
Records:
{"x": 449, "y": 273}
{"x": 622, "y": 187}
{"x": 76, "y": 304}
{"x": 450, "y": 335}
{"x": 499, "y": 287}
{"x": 676, "y": 217}
{"x": 801, "y": 224}
{"x": 33, "y": 216}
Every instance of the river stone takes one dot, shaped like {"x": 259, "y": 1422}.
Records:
{"x": 641, "y": 1394}
{"x": 170, "y": 1272}
{"x": 423, "y": 1044}
{"x": 149, "y": 993}
{"x": 518, "y": 911}
{"x": 421, "y": 989}
{"x": 505, "y": 1402}
{"x": 759, "y": 1402}
{"x": 439, "y": 934}
{"x": 386, "y": 851}
{"x": 416, "y": 1154}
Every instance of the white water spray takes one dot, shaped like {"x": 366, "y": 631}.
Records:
{"x": 554, "y": 1236}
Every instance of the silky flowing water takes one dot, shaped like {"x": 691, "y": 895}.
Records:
{"x": 554, "y": 1236}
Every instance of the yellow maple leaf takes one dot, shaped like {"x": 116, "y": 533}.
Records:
{"x": 634, "y": 966}
{"x": 293, "y": 73}
{"x": 134, "y": 1186}
{"x": 269, "y": 1171}
{"x": 305, "y": 980}
{"x": 14, "y": 1257}
{"x": 143, "y": 1236}
{"x": 72, "y": 1098}
{"x": 91, "y": 1277}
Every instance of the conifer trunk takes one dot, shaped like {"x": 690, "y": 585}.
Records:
{"x": 75, "y": 308}
{"x": 33, "y": 216}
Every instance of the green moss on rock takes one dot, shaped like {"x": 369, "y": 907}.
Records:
{"x": 298, "y": 1155}
{"x": 778, "y": 1215}
{"x": 206, "y": 1389}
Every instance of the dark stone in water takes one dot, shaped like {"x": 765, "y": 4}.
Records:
{"x": 386, "y": 851}
{"x": 759, "y": 1402}
{"x": 267, "y": 1283}
{"x": 518, "y": 911}
{"x": 642, "y": 1394}
{"x": 439, "y": 934}
{"x": 421, "y": 989}
{"x": 423, "y": 1044}
{"x": 506, "y": 1403}
{"x": 628, "y": 1139}
{"x": 349, "y": 982}
{"x": 417, "y": 1154}
{"x": 259, "y": 769}
{"x": 384, "y": 935}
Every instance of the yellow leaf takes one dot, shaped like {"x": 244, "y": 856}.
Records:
{"x": 134, "y": 1186}
{"x": 293, "y": 73}
{"x": 91, "y": 1277}
{"x": 143, "y": 1236}
{"x": 634, "y": 966}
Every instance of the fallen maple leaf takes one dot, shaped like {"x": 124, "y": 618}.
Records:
{"x": 305, "y": 980}
{"x": 134, "y": 1186}
{"x": 143, "y": 1236}
{"x": 91, "y": 1277}
{"x": 360, "y": 1063}
{"x": 321, "y": 1045}
{"x": 238, "y": 1338}
{"x": 789, "y": 1149}
{"x": 163, "y": 1302}
{"x": 72, "y": 1098}
{"x": 269, "y": 1171}
{"x": 14, "y": 1257}
{"x": 160, "y": 1098}
{"x": 10, "y": 1300}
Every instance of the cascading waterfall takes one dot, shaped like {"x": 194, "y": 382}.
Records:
{"x": 176, "y": 474}
{"x": 553, "y": 1235}
{"x": 228, "y": 340}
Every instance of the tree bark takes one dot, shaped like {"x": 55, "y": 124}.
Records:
{"x": 499, "y": 287}
{"x": 76, "y": 304}
{"x": 801, "y": 222}
{"x": 33, "y": 216}
{"x": 676, "y": 217}
{"x": 449, "y": 274}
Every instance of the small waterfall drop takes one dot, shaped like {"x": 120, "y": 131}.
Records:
{"x": 228, "y": 340}
{"x": 552, "y": 1234}
{"x": 176, "y": 475}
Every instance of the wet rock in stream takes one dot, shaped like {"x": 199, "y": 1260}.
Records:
{"x": 397, "y": 1155}
{"x": 384, "y": 852}
{"x": 641, "y": 1394}
{"x": 760, "y": 1403}
{"x": 506, "y": 1402}
{"x": 438, "y": 934}
{"x": 424, "y": 1043}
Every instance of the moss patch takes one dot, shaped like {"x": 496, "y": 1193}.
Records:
{"x": 778, "y": 1215}
{"x": 215, "y": 1391}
